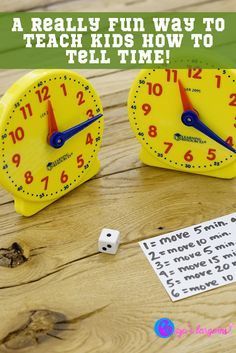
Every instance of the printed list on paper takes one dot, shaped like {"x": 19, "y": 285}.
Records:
{"x": 195, "y": 259}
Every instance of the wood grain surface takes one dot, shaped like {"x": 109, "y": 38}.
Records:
{"x": 57, "y": 293}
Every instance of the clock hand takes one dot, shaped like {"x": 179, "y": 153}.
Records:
{"x": 187, "y": 105}
{"x": 52, "y": 125}
{"x": 57, "y": 139}
{"x": 191, "y": 118}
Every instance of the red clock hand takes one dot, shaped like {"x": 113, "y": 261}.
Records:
{"x": 52, "y": 124}
{"x": 190, "y": 117}
{"x": 187, "y": 105}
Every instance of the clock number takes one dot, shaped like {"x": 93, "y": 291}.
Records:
{"x": 89, "y": 113}
{"x": 80, "y": 96}
{"x": 63, "y": 86}
{"x": 211, "y": 154}
{"x": 233, "y": 101}
{"x": 28, "y": 177}
{"x": 154, "y": 88}
{"x": 43, "y": 94}
{"x": 229, "y": 140}
{"x": 89, "y": 139}
{"x": 64, "y": 177}
{"x": 80, "y": 161}
{"x": 26, "y": 110}
{"x": 188, "y": 156}
{"x": 194, "y": 73}
{"x": 45, "y": 181}
{"x": 218, "y": 81}
{"x": 16, "y": 159}
{"x": 171, "y": 73}
{"x": 152, "y": 132}
{"x": 146, "y": 108}
{"x": 17, "y": 135}
{"x": 169, "y": 146}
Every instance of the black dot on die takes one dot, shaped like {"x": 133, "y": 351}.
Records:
{"x": 104, "y": 249}
{"x": 108, "y": 234}
{"x": 109, "y": 246}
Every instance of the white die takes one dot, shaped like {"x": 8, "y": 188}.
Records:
{"x": 108, "y": 241}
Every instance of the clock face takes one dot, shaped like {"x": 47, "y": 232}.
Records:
{"x": 31, "y": 167}
{"x": 156, "y": 107}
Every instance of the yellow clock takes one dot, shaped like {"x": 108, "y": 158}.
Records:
{"x": 51, "y": 124}
{"x": 185, "y": 119}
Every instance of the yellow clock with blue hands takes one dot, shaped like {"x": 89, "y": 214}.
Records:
{"x": 51, "y": 130}
{"x": 185, "y": 119}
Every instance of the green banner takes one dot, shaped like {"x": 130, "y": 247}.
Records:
{"x": 117, "y": 40}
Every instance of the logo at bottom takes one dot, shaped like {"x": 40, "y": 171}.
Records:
{"x": 164, "y": 328}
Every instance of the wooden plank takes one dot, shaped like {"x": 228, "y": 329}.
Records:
{"x": 137, "y": 201}
{"x": 98, "y": 5}
{"x": 144, "y": 6}
{"x": 121, "y": 290}
{"x": 24, "y": 5}
{"x": 100, "y": 317}
{"x": 111, "y": 6}
{"x": 8, "y": 77}
{"x": 122, "y": 5}
{"x": 207, "y": 6}
{"x": 109, "y": 303}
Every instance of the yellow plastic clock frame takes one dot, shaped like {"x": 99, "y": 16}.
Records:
{"x": 148, "y": 158}
{"x": 23, "y": 205}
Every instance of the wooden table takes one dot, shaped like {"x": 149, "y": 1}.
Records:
{"x": 68, "y": 297}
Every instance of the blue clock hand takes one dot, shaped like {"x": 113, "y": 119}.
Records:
{"x": 190, "y": 118}
{"x": 57, "y": 139}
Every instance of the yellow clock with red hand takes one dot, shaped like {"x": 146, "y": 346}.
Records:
{"x": 51, "y": 129}
{"x": 185, "y": 119}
